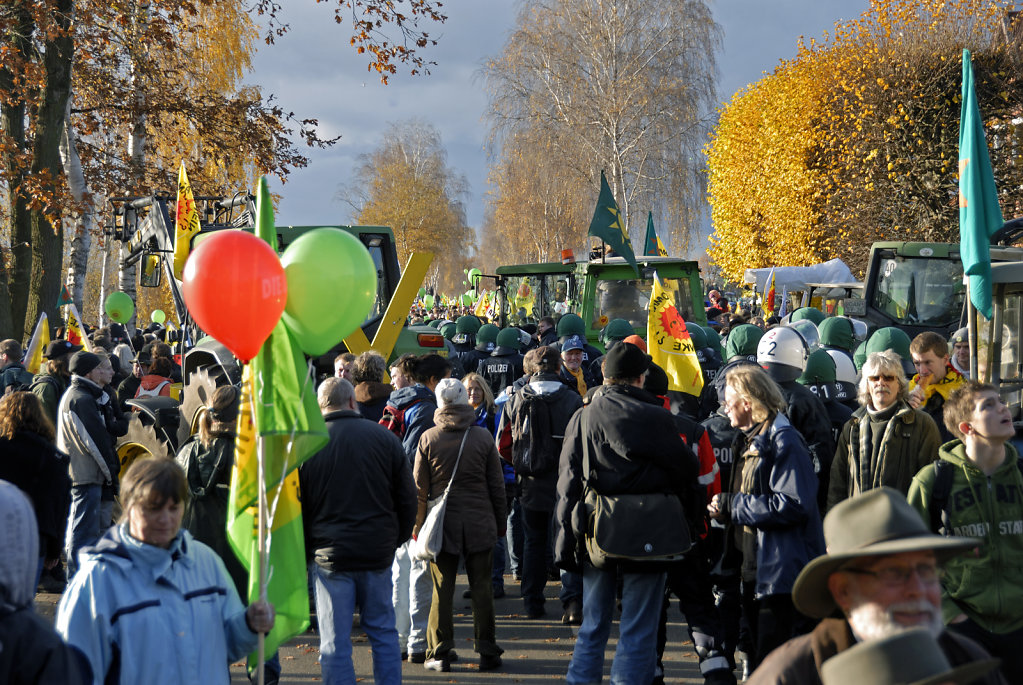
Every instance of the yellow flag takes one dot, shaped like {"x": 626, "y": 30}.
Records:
{"x": 669, "y": 344}
{"x": 75, "y": 335}
{"x": 186, "y": 222}
{"x": 37, "y": 345}
{"x": 482, "y": 304}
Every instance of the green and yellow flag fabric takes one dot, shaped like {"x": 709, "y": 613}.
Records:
{"x": 279, "y": 409}
{"x": 186, "y": 222}
{"x": 608, "y": 226}
{"x": 669, "y": 344}
{"x": 979, "y": 213}
{"x": 652, "y": 246}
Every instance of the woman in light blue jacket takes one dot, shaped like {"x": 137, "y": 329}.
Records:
{"x": 152, "y": 604}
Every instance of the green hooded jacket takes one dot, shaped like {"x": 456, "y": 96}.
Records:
{"x": 986, "y": 584}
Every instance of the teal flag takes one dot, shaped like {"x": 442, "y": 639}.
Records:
{"x": 607, "y": 224}
{"x": 652, "y": 245}
{"x": 979, "y": 213}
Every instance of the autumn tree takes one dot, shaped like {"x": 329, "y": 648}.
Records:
{"x": 622, "y": 86}
{"x": 147, "y": 73}
{"x": 875, "y": 145}
{"x": 406, "y": 183}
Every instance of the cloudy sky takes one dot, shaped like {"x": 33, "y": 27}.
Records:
{"x": 314, "y": 73}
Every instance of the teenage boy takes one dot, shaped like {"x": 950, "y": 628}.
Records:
{"x": 975, "y": 489}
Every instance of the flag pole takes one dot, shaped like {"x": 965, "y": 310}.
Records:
{"x": 971, "y": 332}
{"x": 261, "y": 489}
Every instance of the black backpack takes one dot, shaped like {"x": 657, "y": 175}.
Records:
{"x": 535, "y": 450}
{"x": 16, "y": 379}
{"x": 944, "y": 472}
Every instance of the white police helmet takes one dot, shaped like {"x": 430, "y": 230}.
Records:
{"x": 783, "y": 353}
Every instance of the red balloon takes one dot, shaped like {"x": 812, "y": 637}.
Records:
{"x": 235, "y": 289}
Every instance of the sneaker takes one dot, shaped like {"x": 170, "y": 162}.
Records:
{"x": 417, "y": 657}
{"x": 489, "y": 662}
{"x": 442, "y": 665}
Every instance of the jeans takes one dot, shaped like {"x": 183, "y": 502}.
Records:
{"x": 441, "y": 636}
{"x": 83, "y": 525}
{"x": 338, "y": 595}
{"x": 500, "y": 557}
{"x": 636, "y": 654}
{"x": 571, "y": 587}
{"x": 411, "y": 599}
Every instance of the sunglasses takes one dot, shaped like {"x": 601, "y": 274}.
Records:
{"x": 885, "y": 377}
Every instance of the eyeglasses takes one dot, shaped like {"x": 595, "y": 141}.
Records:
{"x": 900, "y": 575}
{"x": 885, "y": 377}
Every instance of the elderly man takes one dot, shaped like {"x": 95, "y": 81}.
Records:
{"x": 882, "y": 572}
{"x": 358, "y": 504}
{"x": 573, "y": 373}
{"x": 886, "y": 441}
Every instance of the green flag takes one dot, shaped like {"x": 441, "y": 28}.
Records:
{"x": 979, "y": 213}
{"x": 65, "y": 296}
{"x": 607, "y": 224}
{"x": 652, "y": 246}
{"x": 279, "y": 409}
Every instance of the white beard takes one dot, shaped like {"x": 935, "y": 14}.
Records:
{"x": 870, "y": 622}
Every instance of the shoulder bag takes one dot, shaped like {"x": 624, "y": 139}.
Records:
{"x": 648, "y": 527}
{"x": 428, "y": 543}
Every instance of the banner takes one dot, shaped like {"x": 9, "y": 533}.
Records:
{"x": 75, "y": 332}
{"x": 37, "y": 345}
{"x": 186, "y": 222}
{"x": 669, "y": 345}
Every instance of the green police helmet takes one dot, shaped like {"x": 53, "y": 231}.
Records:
{"x": 571, "y": 324}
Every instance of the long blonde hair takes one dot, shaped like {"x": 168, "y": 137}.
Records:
{"x": 488, "y": 394}
{"x": 755, "y": 386}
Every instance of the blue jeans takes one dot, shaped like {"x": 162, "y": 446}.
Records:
{"x": 83, "y": 524}
{"x": 338, "y": 595}
{"x": 636, "y": 654}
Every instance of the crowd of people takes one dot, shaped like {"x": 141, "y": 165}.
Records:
{"x": 844, "y": 500}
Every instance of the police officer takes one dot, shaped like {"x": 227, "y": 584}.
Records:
{"x": 614, "y": 332}
{"x": 504, "y": 365}
{"x": 486, "y": 340}
{"x": 819, "y": 377}
{"x": 572, "y": 324}
{"x": 465, "y": 334}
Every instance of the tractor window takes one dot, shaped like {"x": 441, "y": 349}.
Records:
{"x": 920, "y": 291}
{"x": 384, "y": 289}
{"x": 531, "y": 297}
{"x": 630, "y": 299}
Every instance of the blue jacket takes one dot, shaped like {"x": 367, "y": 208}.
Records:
{"x": 144, "y": 614}
{"x": 781, "y": 506}
{"x": 421, "y": 404}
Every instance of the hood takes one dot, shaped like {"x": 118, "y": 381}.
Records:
{"x": 403, "y": 397}
{"x": 149, "y": 382}
{"x": 954, "y": 451}
{"x": 544, "y": 385}
{"x": 455, "y": 417}
{"x": 117, "y": 546}
{"x": 19, "y": 539}
{"x": 372, "y": 392}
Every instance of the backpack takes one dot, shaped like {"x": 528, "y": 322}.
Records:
{"x": 394, "y": 419}
{"x": 535, "y": 450}
{"x": 944, "y": 472}
{"x": 153, "y": 392}
{"x": 16, "y": 379}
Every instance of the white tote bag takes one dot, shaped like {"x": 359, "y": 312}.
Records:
{"x": 427, "y": 544}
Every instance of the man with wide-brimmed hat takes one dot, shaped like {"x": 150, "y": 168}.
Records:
{"x": 880, "y": 576}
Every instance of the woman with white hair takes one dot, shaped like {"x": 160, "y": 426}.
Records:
{"x": 458, "y": 452}
{"x": 886, "y": 441}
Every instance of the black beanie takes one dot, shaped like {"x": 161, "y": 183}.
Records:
{"x": 656, "y": 380}
{"x": 625, "y": 360}
{"x": 83, "y": 362}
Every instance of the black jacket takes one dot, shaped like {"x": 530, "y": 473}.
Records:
{"x": 40, "y": 470}
{"x": 539, "y": 493}
{"x": 634, "y": 448}
{"x": 807, "y": 414}
{"x": 502, "y": 368}
{"x": 358, "y": 497}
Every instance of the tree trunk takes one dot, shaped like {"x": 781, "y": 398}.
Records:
{"x": 15, "y": 281}
{"x": 47, "y": 236}
{"x": 81, "y": 241}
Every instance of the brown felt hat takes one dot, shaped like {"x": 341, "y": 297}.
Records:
{"x": 875, "y": 523}
{"x": 910, "y": 657}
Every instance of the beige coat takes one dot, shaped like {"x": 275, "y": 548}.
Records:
{"x": 476, "y": 509}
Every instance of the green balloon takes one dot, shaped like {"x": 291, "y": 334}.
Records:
{"x": 428, "y": 301}
{"x": 157, "y": 316}
{"x": 466, "y": 300}
{"x": 332, "y": 284}
{"x": 422, "y": 291}
{"x": 474, "y": 277}
{"x": 119, "y": 307}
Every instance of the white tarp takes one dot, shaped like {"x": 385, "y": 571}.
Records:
{"x": 796, "y": 277}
